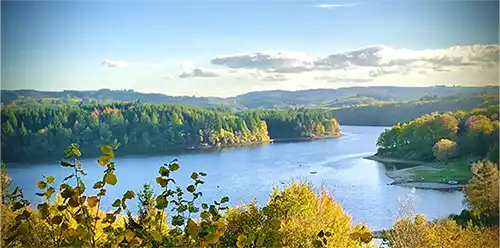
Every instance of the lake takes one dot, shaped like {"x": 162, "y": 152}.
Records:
{"x": 242, "y": 173}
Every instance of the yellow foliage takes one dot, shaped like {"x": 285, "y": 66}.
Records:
{"x": 445, "y": 233}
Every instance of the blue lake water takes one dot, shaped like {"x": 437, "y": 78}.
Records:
{"x": 243, "y": 173}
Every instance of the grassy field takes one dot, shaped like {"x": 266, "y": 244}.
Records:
{"x": 428, "y": 172}
{"x": 456, "y": 170}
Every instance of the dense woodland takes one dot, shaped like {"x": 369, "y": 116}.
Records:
{"x": 389, "y": 114}
{"x": 462, "y": 134}
{"x": 36, "y": 133}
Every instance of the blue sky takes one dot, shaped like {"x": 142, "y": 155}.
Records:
{"x": 225, "y": 48}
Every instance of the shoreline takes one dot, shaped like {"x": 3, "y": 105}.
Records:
{"x": 299, "y": 139}
{"x": 404, "y": 177}
{"x": 381, "y": 159}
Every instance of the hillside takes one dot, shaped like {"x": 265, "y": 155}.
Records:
{"x": 388, "y": 114}
{"x": 276, "y": 99}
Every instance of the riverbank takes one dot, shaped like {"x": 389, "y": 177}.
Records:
{"x": 427, "y": 175}
{"x": 300, "y": 139}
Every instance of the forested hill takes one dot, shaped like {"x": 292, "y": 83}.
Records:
{"x": 452, "y": 134}
{"x": 264, "y": 99}
{"x": 142, "y": 128}
{"x": 389, "y": 114}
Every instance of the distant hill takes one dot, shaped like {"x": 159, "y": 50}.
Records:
{"x": 276, "y": 99}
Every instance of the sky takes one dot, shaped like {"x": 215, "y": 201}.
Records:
{"x": 225, "y": 48}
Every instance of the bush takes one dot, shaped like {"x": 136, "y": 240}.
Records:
{"x": 294, "y": 217}
{"x": 445, "y": 233}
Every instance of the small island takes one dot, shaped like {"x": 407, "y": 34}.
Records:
{"x": 437, "y": 151}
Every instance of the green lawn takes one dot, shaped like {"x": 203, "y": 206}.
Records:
{"x": 457, "y": 170}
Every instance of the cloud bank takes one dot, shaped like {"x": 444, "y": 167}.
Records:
{"x": 372, "y": 61}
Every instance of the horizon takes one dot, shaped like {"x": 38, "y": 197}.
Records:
{"x": 312, "y": 89}
{"x": 190, "y": 49}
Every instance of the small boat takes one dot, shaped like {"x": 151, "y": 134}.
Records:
{"x": 313, "y": 172}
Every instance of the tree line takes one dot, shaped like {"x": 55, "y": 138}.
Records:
{"x": 143, "y": 128}
{"x": 472, "y": 134}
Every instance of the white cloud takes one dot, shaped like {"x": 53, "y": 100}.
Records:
{"x": 380, "y": 60}
{"x": 198, "y": 73}
{"x": 114, "y": 63}
{"x": 279, "y": 62}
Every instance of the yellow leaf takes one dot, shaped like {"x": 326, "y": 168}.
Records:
{"x": 110, "y": 178}
{"x": 192, "y": 228}
{"x": 129, "y": 236}
{"x": 92, "y": 201}
{"x": 136, "y": 241}
{"x": 107, "y": 150}
{"x": 242, "y": 240}
{"x": 103, "y": 160}
{"x": 50, "y": 179}
{"x": 41, "y": 184}
{"x": 156, "y": 235}
{"x": 77, "y": 152}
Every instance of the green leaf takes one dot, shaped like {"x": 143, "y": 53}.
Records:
{"x": 67, "y": 193}
{"x": 102, "y": 192}
{"x": 177, "y": 220}
{"x": 92, "y": 201}
{"x": 194, "y": 176}
{"x": 191, "y": 188}
{"x": 260, "y": 241}
{"x": 129, "y": 194}
{"x": 173, "y": 166}
{"x": 50, "y": 179}
{"x": 116, "y": 203}
{"x": 163, "y": 171}
{"x": 162, "y": 182}
{"x": 110, "y": 178}
{"x": 161, "y": 202}
{"x": 68, "y": 177}
{"x": 224, "y": 199}
{"x": 66, "y": 164}
{"x": 204, "y": 205}
{"x": 49, "y": 192}
{"x": 41, "y": 184}
{"x": 43, "y": 209}
{"x": 203, "y": 174}
{"x": 107, "y": 150}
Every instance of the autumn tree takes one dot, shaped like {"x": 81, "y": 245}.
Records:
{"x": 444, "y": 149}
{"x": 482, "y": 194}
